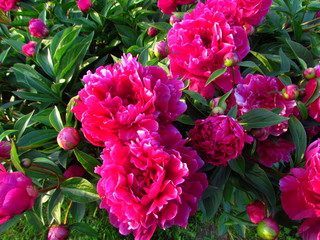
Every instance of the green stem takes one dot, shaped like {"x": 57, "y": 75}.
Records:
{"x": 67, "y": 213}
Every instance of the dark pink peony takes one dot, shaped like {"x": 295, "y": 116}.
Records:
{"x": 7, "y": 5}
{"x": 119, "y": 100}
{"x": 314, "y": 107}
{"x": 256, "y": 211}
{"x": 74, "y": 171}
{"x": 198, "y": 44}
{"x": 300, "y": 193}
{"x": 169, "y": 6}
{"x": 17, "y": 194}
{"x": 310, "y": 229}
{"x": 272, "y": 152}
{"x": 29, "y": 48}
{"x": 312, "y": 156}
{"x": 145, "y": 184}
{"x": 257, "y": 91}
{"x": 5, "y": 148}
{"x": 219, "y": 139}
{"x": 38, "y": 29}
{"x": 84, "y": 5}
{"x": 254, "y": 11}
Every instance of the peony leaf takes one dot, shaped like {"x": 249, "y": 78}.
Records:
{"x": 260, "y": 118}
{"x": 84, "y": 228}
{"x": 15, "y": 157}
{"x": 37, "y": 138}
{"x": 7, "y": 224}
{"x": 251, "y": 64}
{"x": 87, "y": 161}
{"x": 79, "y": 190}
{"x": 78, "y": 211}
{"x": 55, "y": 119}
{"x": 299, "y": 138}
{"x": 196, "y": 96}
{"x": 54, "y": 206}
{"x": 215, "y": 75}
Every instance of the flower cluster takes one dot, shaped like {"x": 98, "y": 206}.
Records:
{"x": 148, "y": 177}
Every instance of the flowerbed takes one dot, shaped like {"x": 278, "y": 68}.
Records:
{"x": 155, "y": 110}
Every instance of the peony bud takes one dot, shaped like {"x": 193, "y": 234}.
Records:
{"x": 217, "y": 108}
{"x": 84, "y": 5}
{"x": 317, "y": 70}
{"x": 161, "y": 49}
{"x": 256, "y": 211}
{"x": 38, "y": 29}
{"x": 68, "y": 138}
{"x": 174, "y": 19}
{"x": 260, "y": 134}
{"x": 309, "y": 73}
{"x": 26, "y": 162}
{"x": 74, "y": 171}
{"x": 152, "y": 32}
{"x": 230, "y": 59}
{"x": 290, "y": 92}
{"x": 59, "y": 232}
{"x": 29, "y": 48}
{"x": 5, "y": 148}
{"x": 268, "y": 229}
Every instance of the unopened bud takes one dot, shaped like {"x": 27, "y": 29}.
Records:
{"x": 68, "y": 138}
{"x": 152, "y": 31}
{"x": 260, "y": 133}
{"x": 309, "y": 73}
{"x": 161, "y": 49}
{"x": 26, "y": 162}
{"x": 290, "y": 92}
{"x": 59, "y": 232}
{"x": 174, "y": 19}
{"x": 230, "y": 59}
{"x": 268, "y": 229}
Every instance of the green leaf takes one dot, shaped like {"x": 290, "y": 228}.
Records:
{"x": 299, "y": 138}
{"x": 87, "y": 161}
{"x": 285, "y": 62}
{"x": 79, "y": 190}
{"x": 34, "y": 220}
{"x": 84, "y": 228}
{"x": 252, "y": 65}
{"x": 196, "y": 96}
{"x": 314, "y": 7}
{"x": 54, "y": 206}
{"x": 238, "y": 165}
{"x": 37, "y": 137}
{"x": 127, "y": 34}
{"x": 260, "y": 118}
{"x": 45, "y": 61}
{"x": 233, "y": 112}
{"x": 21, "y": 124}
{"x": 69, "y": 113}
{"x": 302, "y": 54}
{"x": 36, "y": 97}
{"x": 15, "y": 157}
{"x": 7, "y": 224}
{"x": 263, "y": 60}
{"x": 302, "y": 109}
{"x": 7, "y": 133}
{"x": 185, "y": 119}
{"x": 215, "y": 75}
{"x": 55, "y": 119}
{"x": 17, "y": 45}
{"x": 78, "y": 211}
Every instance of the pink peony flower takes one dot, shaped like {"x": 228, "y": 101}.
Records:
{"x": 7, "y": 5}
{"x": 198, "y": 45}
{"x": 169, "y": 6}
{"x": 29, "y": 48}
{"x": 145, "y": 184}
{"x": 17, "y": 194}
{"x": 5, "y": 148}
{"x": 313, "y": 156}
{"x": 271, "y": 152}
{"x": 310, "y": 229}
{"x": 254, "y": 11}
{"x": 219, "y": 139}
{"x": 300, "y": 193}
{"x": 257, "y": 91}
{"x": 256, "y": 211}
{"x": 58, "y": 232}
{"x": 68, "y": 138}
{"x": 38, "y": 29}
{"x": 84, "y": 5}
{"x": 118, "y": 101}
{"x": 314, "y": 107}
{"x": 74, "y": 171}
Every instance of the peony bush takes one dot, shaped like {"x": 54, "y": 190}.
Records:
{"x": 156, "y": 111}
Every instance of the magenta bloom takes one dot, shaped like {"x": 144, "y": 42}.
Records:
{"x": 38, "y": 29}
{"x": 310, "y": 229}
{"x": 256, "y": 211}
{"x": 314, "y": 107}
{"x": 58, "y": 232}
{"x": 29, "y": 49}
{"x": 300, "y": 193}
{"x": 84, "y": 5}
{"x": 219, "y": 139}
{"x": 313, "y": 156}
{"x": 5, "y": 148}
{"x": 270, "y": 152}
{"x": 145, "y": 184}
{"x": 68, "y": 138}
{"x": 169, "y": 6}
{"x": 74, "y": 171}
{"x": 257, "y": 91}
{"x": 7, "y": 5}
{"x": 198, "y": 45}
{"x": 17, "y": 194}
{"x": 118, "y": 101}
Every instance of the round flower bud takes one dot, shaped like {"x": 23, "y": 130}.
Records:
{"x": 59, "y": 232}
{"x": 161, "y": 49}
{"x": 309, "y": 73}
{"x": 268, "y": 229}
{"x": 152, "y": 32}
{"x": 26, "y": 162}
{"x": 84, "y": 5}
{"x": 174, "y": 19}
{"x": 230, "y": 59}
{"x": 68, "y": 138}
{"x": 290, "y": 92}
{"x": 260, "y": 134}
{"x": 38, "y": 29}
{"x": 29, "y": 49}
{"x": 5, "y": 148}
{"x": 217, "y": 111}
